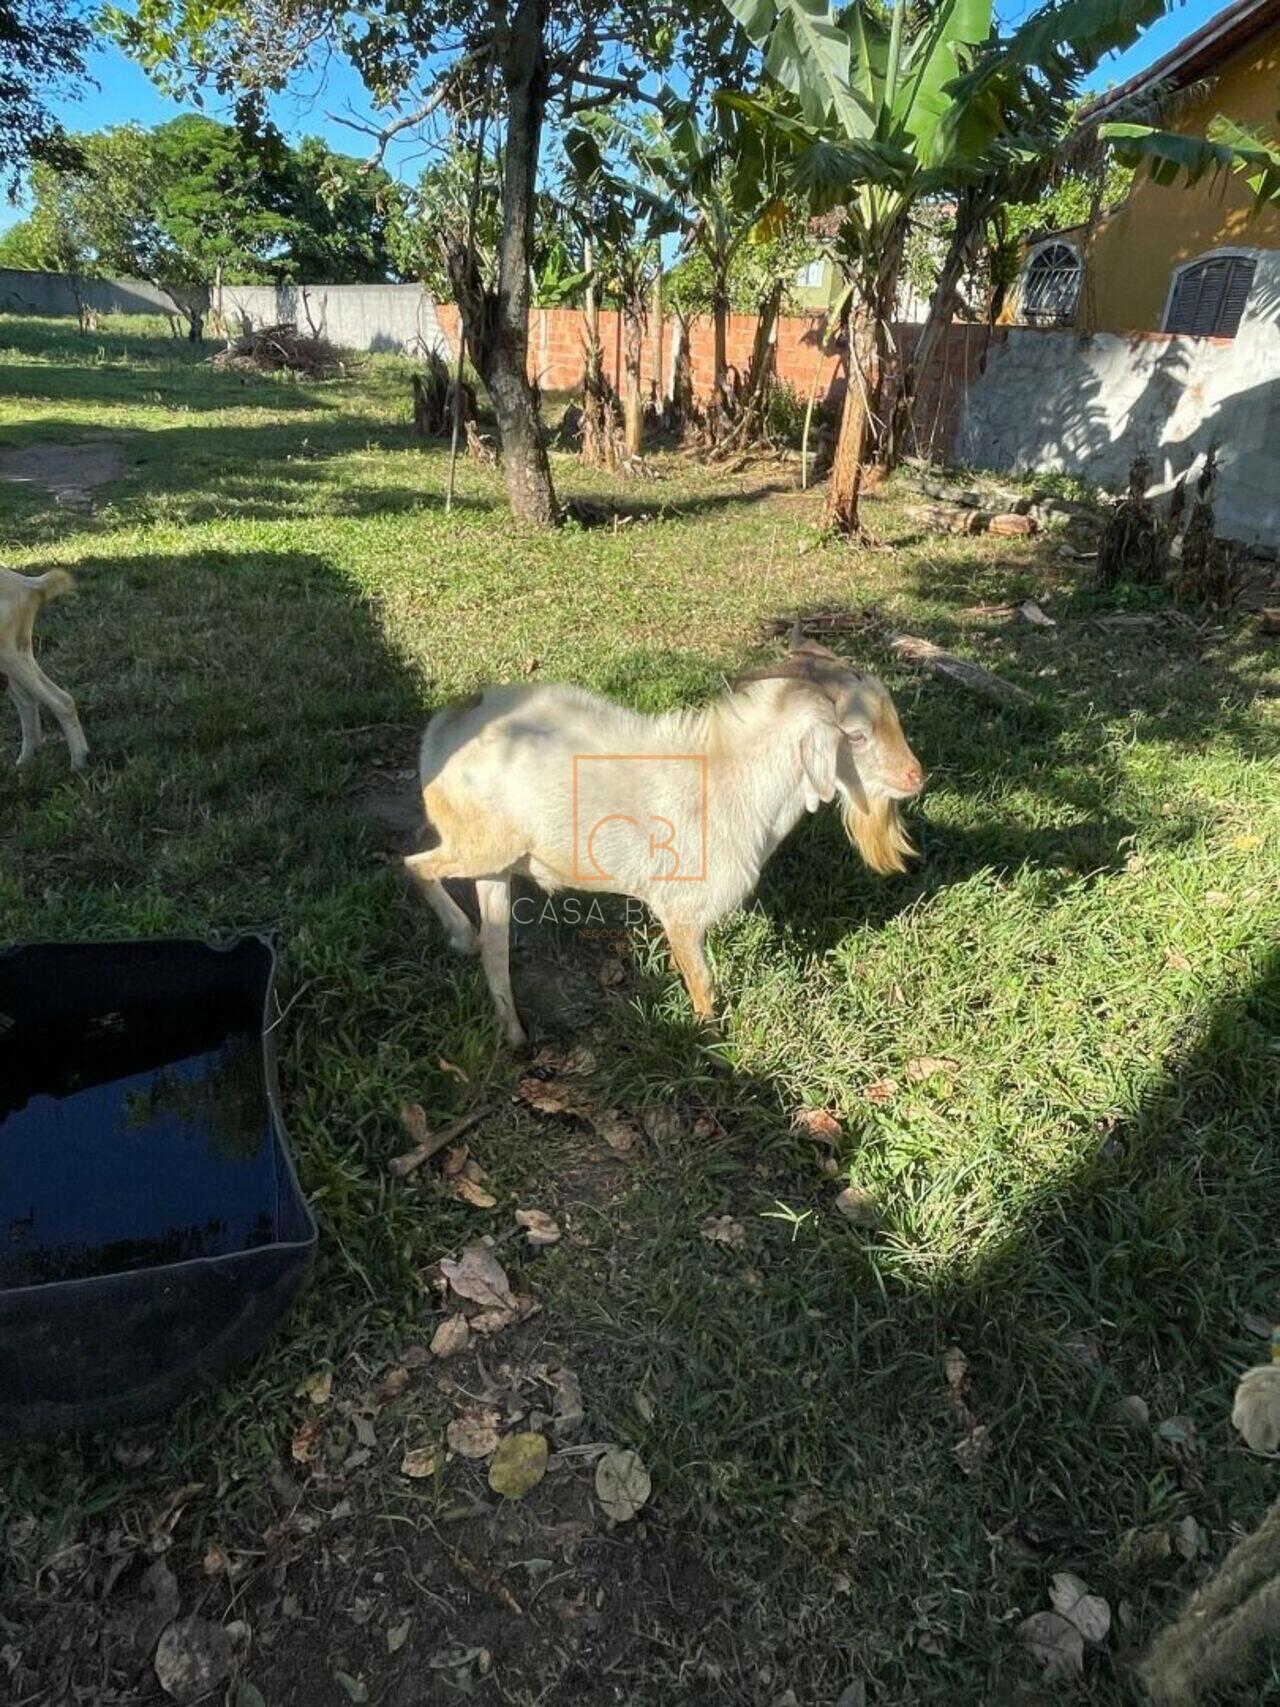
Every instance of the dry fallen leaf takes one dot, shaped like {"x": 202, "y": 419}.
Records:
{"x": 453, "y": 1070}
{"x": 391, "y": 1386}
{"x": 551, "y": 1096}
{"x": 1088, "y": 1612}
{"x": 540, "y": 1229}
{"x": 1178, "y": 1441}
{"x": 192, "y": 1658}
{"x": 398, "y": 1635}
{"x": 622, "y": 1484}
{"x": 971, "y": 1451}
{"x": 1054, "y": 1643}
{"x": 518, "y": 1465}
{"x": 415, "y": 1356}
{"x": 305, "y": 1445}
{"x": 880, "y": 1090}
{"x": 818, "y": 1124}
{"x": 857, "y": 1204}
{"x": 567, "y": 1409}
{"x": 618, "y": 1130}
{"x": 131, "y": 1453}
{"x": 1032, "y": 612}
{"x": 1144, "y": 1547}
{"x": 1135, "y": 1409}
{"x": 1176, "y": 961}
{"x": 473, "y": 1433}
{"x": 955, "y": 1367}
{"x": 355, "y": 1688}
{"x": 318, "y": 1387}
{"x": 414, "y": 1120}
{"x": 724, "y": 1230}
{"x": 419, "y": 1462}
{"x": 612, "y": 973}
{"x": 662, "y": 1124}
{"x": 1217, "y": 898}
{"x": 1254, "y": 1322}
{"x": 1256, "y": 1412}
{"x": 476, "y": 1195}
{"x": 479, "y": 1277}
{"x": 1188, "y": 1537}
{"x": 925, "y": 1066}
{"x": 577, "y": 1061}
{"x": 455, "y": 1159}
{"x": 452, "y": 1336}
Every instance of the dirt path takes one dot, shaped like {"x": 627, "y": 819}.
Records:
{"x": 70, "y": 472}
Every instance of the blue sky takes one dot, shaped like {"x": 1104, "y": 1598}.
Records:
{"x": 124, "y": 93}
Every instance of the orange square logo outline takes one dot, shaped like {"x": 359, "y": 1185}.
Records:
{"x": 699, "y": 759}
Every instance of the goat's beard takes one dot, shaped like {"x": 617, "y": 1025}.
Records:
{"x": 878, "y": 834}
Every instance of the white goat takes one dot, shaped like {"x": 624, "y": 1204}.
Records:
{"x": 21, "y": 597}
{"x": 681, "y": 811}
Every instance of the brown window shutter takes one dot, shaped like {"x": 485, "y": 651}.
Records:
{"x": 1209, "y": 298}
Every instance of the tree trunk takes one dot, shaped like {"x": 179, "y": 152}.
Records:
{"x": 750, "y": 426}
{"x": 855, "y": 424}
{"x": 497, "y": 326}
{"x": 720, "y": 358}
{"x": 661, "y": 395}
{"x": 633, "y": 409}
{"x": 682, "y": 377}
{"x": 720, "y": 337}
{"x": 597, "y": 422}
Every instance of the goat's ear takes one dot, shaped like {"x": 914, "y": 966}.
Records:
{"x": 848, "y": 778}
{"x": 819, "y": 749}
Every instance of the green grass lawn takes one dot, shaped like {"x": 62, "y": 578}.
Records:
{"x": 1084, "y": 1198}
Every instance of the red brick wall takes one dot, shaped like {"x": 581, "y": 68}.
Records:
{"x": 556, "y": 359}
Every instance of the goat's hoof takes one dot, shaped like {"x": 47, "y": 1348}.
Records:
{"x": 517, "y": 1037}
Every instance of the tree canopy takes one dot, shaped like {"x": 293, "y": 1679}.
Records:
{"x": 42, "y": 48}
{"x": 192, "y": 197}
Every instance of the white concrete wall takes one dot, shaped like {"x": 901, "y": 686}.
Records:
{"x": 1054, "y": 400}
{"x": 389, "y": 317}
{"x": 56, "y": 294}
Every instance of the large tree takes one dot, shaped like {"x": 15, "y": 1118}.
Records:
{"x": 42, "y": 48}
{"x": 518, "y": 61}
{"x": 194, "y": 200}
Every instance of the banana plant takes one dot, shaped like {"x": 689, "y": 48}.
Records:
{"x": 883, "y": 111}
{"x": 1173, "y": 158}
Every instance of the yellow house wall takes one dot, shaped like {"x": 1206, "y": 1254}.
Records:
{"x": 1157, "y": 228}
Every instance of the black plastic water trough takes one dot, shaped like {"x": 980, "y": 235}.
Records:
{"x": 152, "y": 1231}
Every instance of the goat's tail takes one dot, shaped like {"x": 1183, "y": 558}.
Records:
{"x": 879, "y": 835}
{"x": 56, "y": 584}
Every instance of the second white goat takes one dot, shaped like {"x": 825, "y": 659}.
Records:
{"x": 681, "y": 811}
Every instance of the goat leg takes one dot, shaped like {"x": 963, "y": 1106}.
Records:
{"x": 33, "y": 682}
{"x": 494, "y": 896}
{"x": 28, "y": 719}
{"x": 462, "y": 933}
{"x": 688, "y": 953}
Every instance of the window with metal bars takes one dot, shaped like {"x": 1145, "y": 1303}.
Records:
{"x": 1209, "y": 297}
{"x": 1051, "y": 285}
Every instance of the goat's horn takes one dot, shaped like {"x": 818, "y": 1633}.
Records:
{"x": 805, "y": 668}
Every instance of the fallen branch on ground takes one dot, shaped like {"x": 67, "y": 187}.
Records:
{"x": 402, "y": 1166}
{"x": 972, "y": 676}
{"x": 914, "y": 648}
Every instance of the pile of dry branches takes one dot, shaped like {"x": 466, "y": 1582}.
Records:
{"x": 280, "y": 349}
